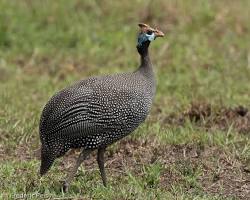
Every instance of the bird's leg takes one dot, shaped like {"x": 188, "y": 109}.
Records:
{"x": 83, "y": 155}
{"x": 100, "y": 161}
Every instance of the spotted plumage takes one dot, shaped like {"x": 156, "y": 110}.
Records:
{"x": 98, "y": 111}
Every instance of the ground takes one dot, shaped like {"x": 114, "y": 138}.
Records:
{"x": 194, "y": 144}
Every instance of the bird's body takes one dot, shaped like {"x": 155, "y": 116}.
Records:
{"x": 96, "y": 112}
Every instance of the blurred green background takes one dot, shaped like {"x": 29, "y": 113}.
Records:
{"x": 202, "y": 67}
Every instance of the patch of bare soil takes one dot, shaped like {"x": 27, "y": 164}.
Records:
{"x": 213, "y": 170}
{"x": 204, "y": 115}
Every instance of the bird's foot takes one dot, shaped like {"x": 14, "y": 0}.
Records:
{"x": 104, "y": 184}
{"x": 65, "y": 186}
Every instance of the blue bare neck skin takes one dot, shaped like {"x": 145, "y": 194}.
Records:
{"x": 144, "y": 37}
{"x": 144, "y": 40}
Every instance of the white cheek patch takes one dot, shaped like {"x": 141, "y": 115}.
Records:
{"x": 151, "y": 37}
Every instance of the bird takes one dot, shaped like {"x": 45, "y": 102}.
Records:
{"x": 98, "y": 111}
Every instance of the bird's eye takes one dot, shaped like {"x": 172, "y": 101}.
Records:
{"x": 149, "y": 32}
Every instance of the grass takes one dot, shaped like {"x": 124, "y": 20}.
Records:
{"x": 203, "y": 60}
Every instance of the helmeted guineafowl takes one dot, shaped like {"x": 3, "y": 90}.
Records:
{"x": 98, "y": 111}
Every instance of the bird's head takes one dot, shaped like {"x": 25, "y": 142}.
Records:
{"x": 146, "y": 35}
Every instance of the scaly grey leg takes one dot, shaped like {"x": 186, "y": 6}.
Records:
{"x": 83, "y": 155}
{"x": 100, "y": 160}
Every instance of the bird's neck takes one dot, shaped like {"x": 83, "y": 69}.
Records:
{"x": 146, "y": 65}
{"x": 146, "y": 70}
